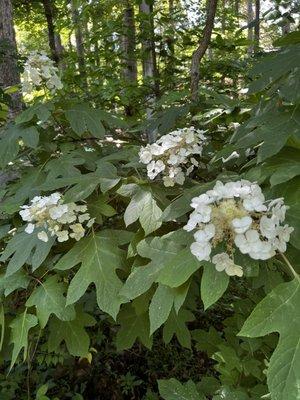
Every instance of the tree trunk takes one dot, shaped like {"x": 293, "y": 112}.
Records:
{"x": 79, "y": 41}
{"x": 53, "y": 39}
{"x": 128, "y": 51}
{"x": 250, "y": 28}
{"x": 237, "y": 8}
{"x": 149, "y": 60}
{"x": 9, "y": 74}
{"x": 171, "y": 40}
{"x": 257, "y": 25}
{"x": 223, "y": 22}
{"x": 200, "y": 51}
{"x": 170, "y": 62}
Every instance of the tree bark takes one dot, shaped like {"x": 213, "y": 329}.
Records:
{"x": 52, "y": 36}
{"x": 200, "y": 51}
{"x": 128, "y": 51}
{"x": 250, "y": 17}
{"x": 79, "y": 41}
{"x": 257, "y": 25}
{"x": 9, "y": 74}
{"x": 150, "y": 75}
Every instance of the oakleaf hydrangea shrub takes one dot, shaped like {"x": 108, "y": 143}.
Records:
{"x": 173, "y": 155}
{"x": 63, "y": 220}
{"x": 136, "y": 264}
{"x": 39, "y": 70}
{"x": 237, "y": 215}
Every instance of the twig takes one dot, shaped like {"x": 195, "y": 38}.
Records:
{"x": 294, "y": 273}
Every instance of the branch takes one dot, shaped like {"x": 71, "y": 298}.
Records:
{"x": 200, "y": 51}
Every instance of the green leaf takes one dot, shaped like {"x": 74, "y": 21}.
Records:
{"x": 9, "y": 145}
{"x": 83, "y": 119}
{"x": 179, "y": 269}
{"x": 99, "y": 207}
{"x": 271, "y": 127}
{"x": 142, "y": 278}
{"x": 99, "y": 257}
{"x": 160, "y": 307}
{"x": 290, "y": 38}
{"x": 143, "y": 207}
{"x": 73, "y": 333}
{"x": 25, "y": 248}
{"x": 176, "y": 325}
{"x": 213, "y": 284}
{"x": 171, "y": 389}
{"x": 2, "y": 325}
{"x": 134, "y": 326}
{"x": 18, "y": 280}
{"x": 283, "y": 167}
{"x": 64, "y": 166}
{"x": 162, "y": 303}
{"x": 48, "y": 298}
{"x": 41, "y": 110}
{"x": 207, "y": 341}
{"x": 20, "y": 327}
{"x": 279, "y": 312}
{"x": 227, "y": 393}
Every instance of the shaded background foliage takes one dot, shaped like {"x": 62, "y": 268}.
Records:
{"x": 110, "y": 105}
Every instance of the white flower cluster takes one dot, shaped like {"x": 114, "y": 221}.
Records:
{"x": 39, "y": 70}
{"x": 236, "y": 213}
{"x": 172, "y": 154}
{"x": 61, "y": 220}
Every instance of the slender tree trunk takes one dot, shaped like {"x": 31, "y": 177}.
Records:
{"x": 200, "y": 51}
{"x": 170, "y": 62}
{"x": 257, "y": 25}
{"x": 223, "y": 27}
{"x": 237, "y": 8}
{"x": 96, "y": 43}
{"x": 9, "y": 74}
{"x": 79, "y": 41}
{"x": 128, "y": 51}
{"x": 52, "y": 35}
{"x": 149, "y": 60}
{"x": 171, "y": 40}
{"x": 250, "y": 18}
{"x": 59, "y": 51}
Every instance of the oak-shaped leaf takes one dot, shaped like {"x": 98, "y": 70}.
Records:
{"x": 176, "y": 325}
{"x": 48, "y": 298}
{"x": 159, "y": 251}
{"x": 20, "y": 327}
{"x": 9, "y": 141}
{"x": 279, "y": 312}
{"x": 99, "y": 257}
{"x": 162, "y": 303}
{"x": 25, "y": 249}
{"x": 142, "y": 207}
{"x": 134, "y": 325}
{"x": 72, "y": 333}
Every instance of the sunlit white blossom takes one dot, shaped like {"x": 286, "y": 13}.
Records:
{"x": 56, "y": 218}
{"x": 173, "y": 155}
{"x": 223, "y": 262}
{"x": 237, "y": 216}
{"x": 39, "y": 70}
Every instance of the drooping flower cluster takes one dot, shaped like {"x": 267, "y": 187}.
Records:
{"x": 237, "y": 214}
{"x": 56, "y": 218}
{"x": 173, "y": 155}
{"x": 40, "y": 70}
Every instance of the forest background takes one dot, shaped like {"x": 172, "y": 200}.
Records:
{"x": 130, "y": 72}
